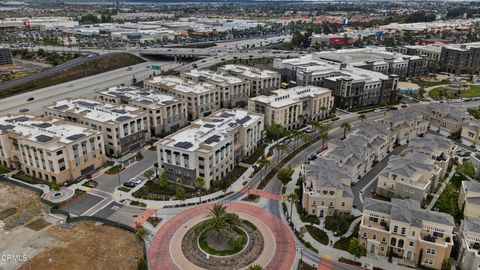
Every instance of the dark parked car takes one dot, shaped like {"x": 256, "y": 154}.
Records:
{"x": 312, "y": 157}
{"x": 129, "y": 184}
{"x": 30, "y": 99}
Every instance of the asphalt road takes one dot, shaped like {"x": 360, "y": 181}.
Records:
{"x": 84, "y": 87}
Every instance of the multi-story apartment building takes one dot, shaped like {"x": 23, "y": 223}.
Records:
{"x": 202, "y": 98}
{"x": 367, "y": 144}
{"x": 446, "y": 119}
{"x": 469, "y": 254}
{"x": 326, "y": 189}
{"x": 351, "y": 86}
{"x": 430, "y": 52}
{"x": 457, "y": 58}
{"x": 410, "y": 176}
{"x": 406, "y": 125}
{"x": 125, "y": 128}
{"x": 5, "y": 56}
{"x": 469, "y": 199}
{"x": 166, "y": 113}
{"x": 211, "y": 146}
{"x": 262, "y": 81}
{"x": 291, "y": 108}
{"x": 49, "y": 148}
{"x": 402, "y": 227}
{"x": 470, "y": 134}
{"x": 234, "y": 91}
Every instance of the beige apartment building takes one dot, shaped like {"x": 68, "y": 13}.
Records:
{"x": 293, "y": 107}
{"x": 125, "y": 128}
{"x": 469, "y": 199}
{"x": 211, "y": 146}
{"x": 326, "y": 189}
{"x": 166, "y": 113}
{"x": 202, "y": 98}
{"x": 469, "y": 254}
{"x": 262, "y": 81}
{"x": 234, "y": 91}
{"x": 49, "y": 148}
{"x": 416, "y": 235}
{"x": 470, "y": 134}
{"x": 447, "y": 119}
{"x": 406, "y": 125}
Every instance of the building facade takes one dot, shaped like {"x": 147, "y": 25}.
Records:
{"x": 470, "y": 134}
{"x": 469, "y": 199}
{"x": 262, "y": 81}
{"x": 446, "y": 119}
{"x": 469, "y": 255}
{"x": 406, "y": 125}
{"x": 50, "y": 148}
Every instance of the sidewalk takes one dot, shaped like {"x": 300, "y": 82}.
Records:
{"x": 328, "y": 252}
{"x": 440, "y": 190}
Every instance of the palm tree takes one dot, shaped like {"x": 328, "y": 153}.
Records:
{"x": 220, "y": 219}
{"x": 362, "y": 117}
{"x": 263, "y": 161}
{"x": 281, "y": 147}
{"x": 296, "y": 135}
{"x": 346, "y": 127}
{"x": 199, "y": 183}
{"x": 323, "y": 109}
{"x": 292, "y": 198}
{"x": 254, "y": 267}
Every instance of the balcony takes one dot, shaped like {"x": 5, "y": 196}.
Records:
{"x": 380, "y": 226}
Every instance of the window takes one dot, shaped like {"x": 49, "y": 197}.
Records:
{"x": 411, "y": 243}
{"x": 374, "y": 237}
{"x": 395, "y": 229}
{"x": 402, "y": 231}
{"x": 431, "y": 251}
{"x": 365, "y": 235}
{"x": 428, "y": 261}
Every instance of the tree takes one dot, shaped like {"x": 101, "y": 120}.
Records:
{"x": 292, "y": 198}
{"x": 302, "y": 231}
{"x": 301, "y": 119}
{"x": 362, "y": 117}
{"x": 254, "y": 267}
{"x": 141, "y": 232}
{"x": 220, "y": 219}
{"x": 281, "y": 147}
{"x": 356, "y": 248}
{"x": 199, "y": 183}
{"x": 263, "y": 161}
{"x": 346, "y": 127}
{"x": 163, "y": 181}
{"x": 273, "y": 131}
{"x": 180, "y": 193}
{"x": 285, "y": 175}
{"x": 148, "y": 174}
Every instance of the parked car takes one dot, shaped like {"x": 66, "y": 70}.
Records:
{"x": 23, "y": 110}
{"x": 312, "y": 157}
{"x": 136, "y": 180}
{"x": 129, "y": 184}
{"x": 309, "y": 130}
{"x": 287, "y": 141}
{"x": 30, "y": 99}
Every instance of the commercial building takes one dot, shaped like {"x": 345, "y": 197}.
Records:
{"x": 446, "y": 119}
{"x": 469, "y": 199}
{"x": 202, "y": 98}
{"x": 39, "y": 23}
{"x": 262, "y": 81}
{"x": 406, "y": 125}
{"x": 125, "y": 128}
{"x": 5, "y": 56}
{"x": 469, "y": 254}
{"x": 470, "y": 134}
{"x": 326, "y": 189}
{"x": 409, "y": 176}
{"x": 293, "y": 107}
{"x": 352, "y": 87}
{"x": 402, "y": 228}
{"x": 49, "y": 148}
{"x": 210, "y": 147}
{"x": 234, "y": 91}
{"x": 166, "y": 113}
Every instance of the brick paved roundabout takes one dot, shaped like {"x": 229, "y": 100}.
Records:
{"x": 276, "y": 251}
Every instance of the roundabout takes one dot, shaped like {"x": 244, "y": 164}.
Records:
{"x": 190, "y": 240}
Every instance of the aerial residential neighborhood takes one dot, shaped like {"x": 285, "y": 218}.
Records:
{"x": 279, "y": 135}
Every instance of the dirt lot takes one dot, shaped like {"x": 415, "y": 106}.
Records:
{"x": 29, "y": 231}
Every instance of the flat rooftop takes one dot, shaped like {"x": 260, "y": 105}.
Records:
{"x": 217, "y": 77}
{"x": 143, "y": 95}
{"x": 45, "y": 130}
{"x": 284, "y": 97}
{"x": 357, "y": 56}
{"x": 95, "y": 110}
{"x": 212, "y": 129}
{"x": 250, "y": 72}
{"x": 182, "y": 84}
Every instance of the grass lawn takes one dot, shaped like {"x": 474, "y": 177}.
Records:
{"x": 344, "y": 242}
{"x": 439, "y": 93}
{"x": 317, "y": 234}
{"x": 425, "y": 83}
{"x": 339, "y": 225}
{"x": 447, "y": 202}
{"x": 4, "y": 169}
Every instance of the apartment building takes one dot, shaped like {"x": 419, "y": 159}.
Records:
{"x": 409, "y": 176}
{"x": 211, "y": 146}
{"x": 125, "y": 128}
{"x": 406, "y": 125}
{"x": 262, "y": 81}
{"x": 49, "y": 148}
{"x": 403, "y": 228}
{"x": 5, "y": 56}
{"x": 366, "y": 145}
{"x": 457, "y": 58}
{"x": 351, "y": 86}
{"x": 469, "y": 199}
{"x": 166, "y": 113}
{"x": 470, "y": 134}
{"x": 446, "y": 119}
{"x": 430, "y": 52}
{"x": 469, "y": 254}
{"x": 234, "y": 91}
{"x": 202, "y": 98}
{"x": 293, "y": 107}
{"x": 326, "y": 189}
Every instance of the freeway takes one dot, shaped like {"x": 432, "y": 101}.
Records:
{"x": 78, "y": 88}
